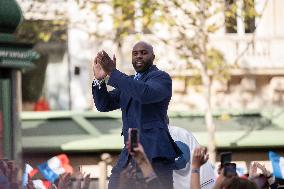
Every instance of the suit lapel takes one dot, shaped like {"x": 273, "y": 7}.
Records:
{"x": 128, "y": 98}
{"x": 146, "y": 74}
{"x": 143, "y": 78}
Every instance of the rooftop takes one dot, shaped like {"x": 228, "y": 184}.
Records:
{"x": 95, "y": 131}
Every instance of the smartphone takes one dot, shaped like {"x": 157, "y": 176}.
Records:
{"x": 133, "y": 138}
{"x": 230, "y": 169}
{"x": 225, "y": 157}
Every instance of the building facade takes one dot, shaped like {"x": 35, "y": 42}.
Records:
{"x": 257, "y": 77}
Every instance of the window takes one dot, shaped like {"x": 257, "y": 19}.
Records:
{"x": 236, "y": 12}
{"x": 249, "y": 16}
{"x": 231, "y": 16}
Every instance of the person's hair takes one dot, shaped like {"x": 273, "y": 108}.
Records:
{"x": 239, "y": 183}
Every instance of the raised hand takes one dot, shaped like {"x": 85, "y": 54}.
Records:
{"x": 253, "y": 170}
{"x": 99, "y": 73}
{"x": 78, "y": 177}
{"x": 87, "y": 181}
{"x": 200, "y": 157}
{"x": 64, "y": 181}
{"x": 139, "y": 155}
{"x": 265, "y": 172}
{"x": 107, "y": 64}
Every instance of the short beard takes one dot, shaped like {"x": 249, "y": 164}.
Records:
{"x": 148, "y": 64}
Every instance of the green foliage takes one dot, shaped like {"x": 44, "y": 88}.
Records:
{"x": 123, "y": 18}
{"x": 33, "y": 79}
{"x": 125, "y": 15}
{"x": 198, "y": 17}
{"x": 217, "y": 65}
{"x": 149, "y": 7}
{"x": 33, "y": 31}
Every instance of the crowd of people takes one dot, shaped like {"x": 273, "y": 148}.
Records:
{"x": 10, "y": 177}
{"x": 155, "y": 155}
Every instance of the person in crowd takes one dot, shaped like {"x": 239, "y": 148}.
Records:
{"x": 199, "y": 158}
{"x": 265, "y": 180}
{"x": 187, "y": 143}
{"x": 238, "y": 183}
{"x": 150, "y": 179}
{"x": 65, "y": 182}
{"x": 8, "y": 175}
{"x": 232, "y": 181}
{"x": 143, "y": 99}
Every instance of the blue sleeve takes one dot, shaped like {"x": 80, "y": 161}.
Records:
{"x": 105, "y": 101}
{"x": 155, "y": 89}
{"x": 183, "y": 159}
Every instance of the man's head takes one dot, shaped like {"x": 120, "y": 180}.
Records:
{"x": 142, "y": 56}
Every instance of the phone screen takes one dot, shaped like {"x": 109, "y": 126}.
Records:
{"x": 225, "y": 157}
{"x": 230, "y": 169}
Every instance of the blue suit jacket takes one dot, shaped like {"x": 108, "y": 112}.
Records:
{"x": 144, "y": 105}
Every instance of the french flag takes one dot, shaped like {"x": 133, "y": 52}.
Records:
{"x": 41, "y": 184}
{"x": 54, "y": 167}
{"x": 277, "y": 164}
{"x": 29, "y": 171}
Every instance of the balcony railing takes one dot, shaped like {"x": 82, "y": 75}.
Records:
{"x": 251, "y": 51}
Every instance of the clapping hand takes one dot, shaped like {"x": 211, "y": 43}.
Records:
{"x": 253, "y": 170}
{"x": 99, "y": 73}
{"x": 106, "y": 63}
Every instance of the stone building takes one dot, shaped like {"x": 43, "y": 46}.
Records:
{"x": 255, "y": 82}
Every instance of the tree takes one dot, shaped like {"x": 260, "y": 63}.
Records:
{"x": 191, "y": 23}
{"x": 132, "y": 17}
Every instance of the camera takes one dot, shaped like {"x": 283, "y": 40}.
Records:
{"x": 133, "y": 138}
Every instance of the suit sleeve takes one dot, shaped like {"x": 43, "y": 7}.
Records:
{"x": 155, "y": 89}
{"x": 105, "y": 101}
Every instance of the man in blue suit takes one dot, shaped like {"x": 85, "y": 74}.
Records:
{"x": 143, "y": 100}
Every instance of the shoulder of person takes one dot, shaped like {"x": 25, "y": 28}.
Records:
{"x": 178, "y": 131}
{"x": 159, "y": 73}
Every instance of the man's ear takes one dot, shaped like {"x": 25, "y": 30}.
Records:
{"x": 153, "y": 58}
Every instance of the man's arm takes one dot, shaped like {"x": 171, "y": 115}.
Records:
{"x": 157, "y": 88}
{"x": 105, "y": 101}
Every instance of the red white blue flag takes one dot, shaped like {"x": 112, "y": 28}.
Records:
{"x": 54, "y": 167}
